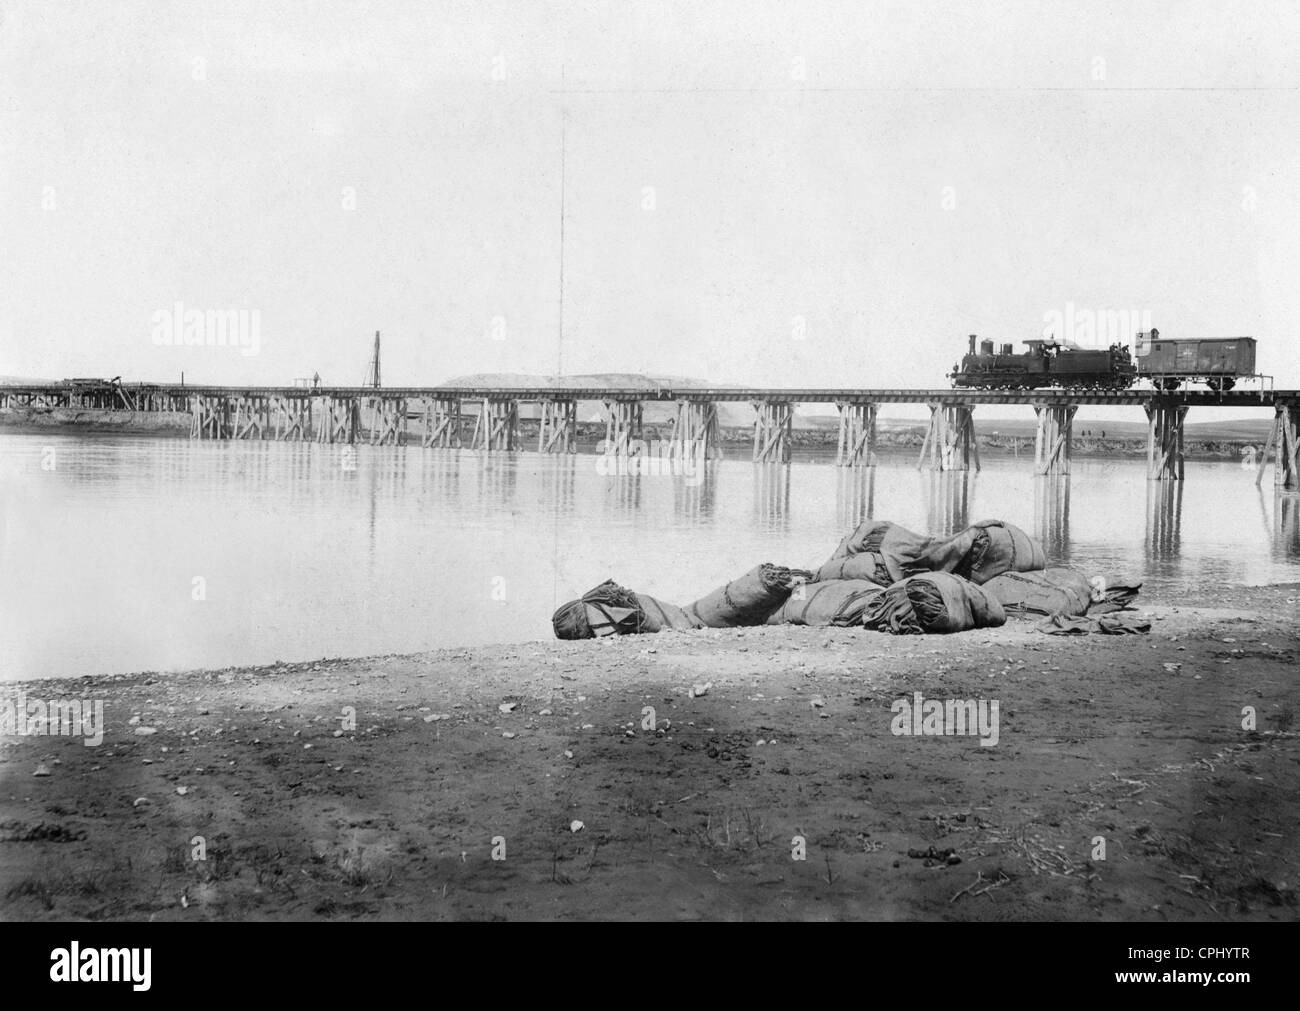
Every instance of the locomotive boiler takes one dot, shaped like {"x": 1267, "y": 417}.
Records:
{"x": 1047, "y": 363}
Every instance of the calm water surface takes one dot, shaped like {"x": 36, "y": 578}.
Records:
{"x": 107, "y": 543}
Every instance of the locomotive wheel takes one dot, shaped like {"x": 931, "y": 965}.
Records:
{"x": 1169, "y": 385}
{"x": 1222, "y": 384}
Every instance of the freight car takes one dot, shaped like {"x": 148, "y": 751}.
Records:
{"x": 1046, "y": 363}
{"x": 1217, "y": 363}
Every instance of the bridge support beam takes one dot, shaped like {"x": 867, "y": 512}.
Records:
{"x": 558, "y": 431}
{"x": 951, "y": 439}
{"x": 340, "y": 420}
{"x": 1284, "y": 441}
{"x": 623, "y": 427}
{"x": 387, "y": 421}
{"x": 292, "y": 418}
{"x": 441, "y": 423}
{"x": 252, "y": 417}
{"x": 497, "y": 426}
{"x": 857, "y": 441}
{"x": 1053, "y": 441}
{"x": 772, "y": 431}
{"x": 695, "y": 431}
{"x": 209, "y": 417}
{"x": 1165, "y": 440}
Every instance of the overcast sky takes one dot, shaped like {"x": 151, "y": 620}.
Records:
{"x": 779, "y": 194}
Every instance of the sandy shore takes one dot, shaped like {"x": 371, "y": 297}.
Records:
{"x": 1134, "y": 740}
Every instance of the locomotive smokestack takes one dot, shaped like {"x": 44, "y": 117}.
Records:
{"x": 972, "y": 343}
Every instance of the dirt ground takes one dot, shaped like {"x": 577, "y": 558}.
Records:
{"x": 248, "y": 793}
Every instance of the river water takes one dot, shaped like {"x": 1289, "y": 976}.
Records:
{"x": 122, "y": 553}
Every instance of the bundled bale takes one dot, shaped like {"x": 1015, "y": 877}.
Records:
{"x": 900, "y": 551}
{"x": 607, "y": 609}
{"x": 610, "y": 609}
{"x": 985, "y": 550}
{"x": 933, "y": 603}
{"x": 1052, "y": 591}
{"x": 747, "y": 600}
{"x": 838, "y": 602}
{"x": 869, "y": 565}
{"x": 866, "y": 536}
{"x": 660, "y": 615}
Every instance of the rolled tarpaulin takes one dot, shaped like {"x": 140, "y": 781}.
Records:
{"x": 866, "y": 536}
{"x": 606, "y": 609}
{"x": 985, "y": 550}
{"x": 901, "y": 550}
{"x": 1051, "y": 591}
{"x": 747, "y": 600}
{"x": 933, "y": 603}
{"x": 837, "y": 602}
{"x": 661, "y": 615}
{"x": 869, "y": 565}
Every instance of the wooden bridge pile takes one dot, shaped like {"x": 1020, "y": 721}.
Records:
{"x": 437, "y": 417}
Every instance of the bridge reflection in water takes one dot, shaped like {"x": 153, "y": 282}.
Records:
{"x": 558, "y": 483}
{"x": 1164, "y": 522}
{"x": 1052, "y": 515}
{"x": 855, "y": 494}
{"x": 947, "y": 496}
{"x": 695, "y": 495}
{"x": 1285, "y": 527}
{"x": 772, "y": 495}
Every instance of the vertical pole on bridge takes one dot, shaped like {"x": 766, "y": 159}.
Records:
{"x": 1052, "y": 442}
{"x": 857, "y": 438}
{"x": 1165, "y": 440}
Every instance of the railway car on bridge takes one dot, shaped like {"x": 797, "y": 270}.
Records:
{"x": 1047, "y": 363}
{"x": 1217, "y": 363}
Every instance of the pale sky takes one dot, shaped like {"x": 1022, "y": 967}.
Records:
{"x": 878, "y": 180}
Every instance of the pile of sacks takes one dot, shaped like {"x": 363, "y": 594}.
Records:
{"x": 881, "y": 576}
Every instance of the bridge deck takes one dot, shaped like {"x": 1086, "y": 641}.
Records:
{"x": 732, "y": 394}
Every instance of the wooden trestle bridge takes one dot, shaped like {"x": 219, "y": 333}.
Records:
{"x": 437, "y": 415}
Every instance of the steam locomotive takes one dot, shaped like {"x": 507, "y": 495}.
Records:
{"x": 1048, "y": 362}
